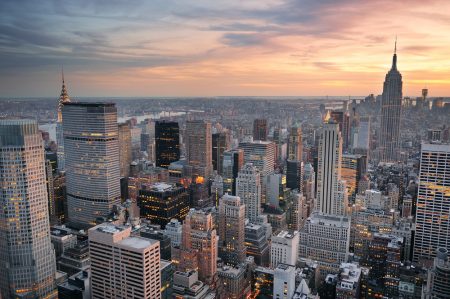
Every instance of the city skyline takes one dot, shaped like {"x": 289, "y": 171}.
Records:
{"x": 271, "y": 48}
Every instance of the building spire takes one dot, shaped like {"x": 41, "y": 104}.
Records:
{"x": 64, "y": 96}
{"x": 394, "y": 59}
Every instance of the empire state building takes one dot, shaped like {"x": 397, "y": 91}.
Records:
{"x": 391, "y": 105}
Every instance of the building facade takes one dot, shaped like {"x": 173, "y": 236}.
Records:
{"x": 91, "y": 149}
{"x": 167, "y": 143}
{"x": 433, "y": 201}
{"x": 27, "y": 257}
{"x": 123, "y": 266}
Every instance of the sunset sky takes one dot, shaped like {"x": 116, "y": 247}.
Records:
{"x": 222, "y": 47}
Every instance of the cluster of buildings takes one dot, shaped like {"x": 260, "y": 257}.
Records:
{"x": 192, "y": 209}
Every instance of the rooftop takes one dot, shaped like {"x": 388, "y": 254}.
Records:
{"x": 137, "y": 242}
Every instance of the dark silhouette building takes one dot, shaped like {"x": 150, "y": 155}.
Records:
{"x": 167, "y": 143}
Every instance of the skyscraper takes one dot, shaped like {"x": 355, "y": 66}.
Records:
{"x": 326, "y": 234}
{"x": 248, "y": 186}
{"x": 433, "y": 198}
{"x": 199, "y": 236}
{"x": 27, "y": 257}
{"x": 295, "y": 145}
{"x": 162, "y": 202}
{"x": 261, "y": 154}
{"x": 63, "y": 99}
{"x": 199, "y": 147}
{"x": 232, "y": 229}
{"x": 92, "y": 161}
{"x": 167, "y": 143}
{"x": 331, "y": 193}
{"x": 391, "y": 105}
{"x": 125, "y": 149}
{"x": 260, "y": 129}
{"x": 232, "y": 163}
{"x": 221, "y": 142}
{"x": 123, "y": 266}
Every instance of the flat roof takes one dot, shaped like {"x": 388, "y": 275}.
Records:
{"x": 137, "y": 242}
{"x": 90, "y": 104}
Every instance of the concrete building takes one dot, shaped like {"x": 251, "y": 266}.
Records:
{"x": 221, "y": 142}
{"x": 187, "y": 285}
{"x": 125, "y": 151}
{"x": 325, "y": 239}
{"x": 295, "y": 145}
{"x": 432, "y": 215}
{"x": 284, "y": 281}
{"x": 284, "y": 249}
{"x": 294, "y": 174}
{"x": 91, "y": 150}
{"x": 27, "y": 257}
{"x": 331, "y": 192}
{"x": 174, "y": 230}
{"x": 162, "y": 202}
{"x": 261, "y": 154}
{"x": 232, "y": 230}
{"x": 200, "y": 238}
{"x": 122, "y": 265}
{"x": 349, "y": 281}
{"x": 235, "y": 281}
{"x": 167, "y": 143}
{"x": 391, "y": 105}
{"x": 233, "y": 160}
{"x": 248, "y": 189}
{"x": 260, "y": 129}
{"x": 257, "y": 244}
{"x": 77, "y": 286}
{"x": 198, "y": 139}
{"x": 440, "y": 275}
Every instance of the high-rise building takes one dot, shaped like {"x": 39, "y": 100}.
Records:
{"x": 257, "y": 244}
{"x": 63, "y": 99}
{"x": 199, "y": 147}
{"x": 331, "y": 193}
{"x": 261, "y": 154}
{"x": 123, "y": 266}
{"x": 233, "y": 160}
{"x": 221, "y": 142}
{"x": 125, "y": 151}
{"x": 361, "y": 137}
{"x": 248, "y": 186}
{"x": 260, "y": 129}
{"x": 167, "y": 143}
{"x": 92, "y": 161}
{"x": 27, "y": 257}
{"x": 199, "y": 237}
{"x": 174, "y": 230}
{"x": 232, "y": 230}
{"x": 432, "y": 214}
{"x": 56, "y": 189}
{"x": 162, "y": 202}
{"x": 353, "y": 169}
{"x": 342, "y": 118}
{"x": 391, "y": 105}
{"x": 284, "y": 281}
{"x": 284, "y": 248}
{"x": 325, "y": 239}
{"x": 294, "y": 174}
{"x": 295, "y": 145}
{"x": 440, "y": 275}
{"x": 384, "y": 260}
